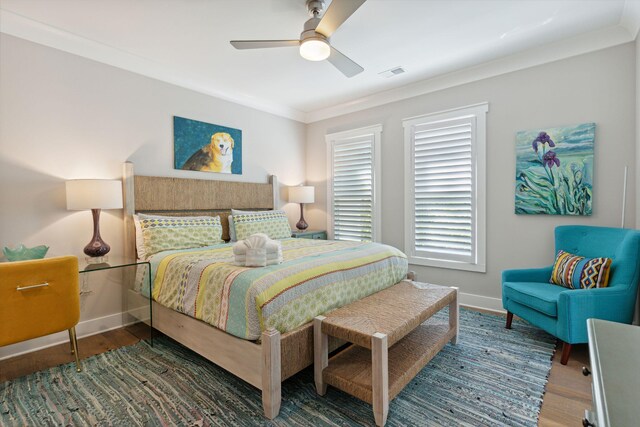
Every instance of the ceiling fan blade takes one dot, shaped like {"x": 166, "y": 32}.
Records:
{"x": 338, "y": 12}
{"x": 261, "y": 44}
{"x": 343, "y": 63}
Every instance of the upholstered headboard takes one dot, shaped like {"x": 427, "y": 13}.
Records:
{"x": 185, "y": 196}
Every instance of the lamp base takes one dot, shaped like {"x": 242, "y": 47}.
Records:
{"x": 96, "y": 247}
{"x": 96, "y": 259}
{"x": 302, "y": 224}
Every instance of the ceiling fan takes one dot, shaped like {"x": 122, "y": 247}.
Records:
{"x": 314, "y": 40}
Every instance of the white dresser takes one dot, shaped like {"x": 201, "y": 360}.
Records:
{"x": 614, "y": 350}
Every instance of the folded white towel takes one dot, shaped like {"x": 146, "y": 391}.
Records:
{"x": 256, "y": 257}
{"x": 273, "y": 246}
{"x": 258, "y": 240}
{"x": 257, "y": 250}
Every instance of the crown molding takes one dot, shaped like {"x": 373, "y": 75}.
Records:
{"x": 25, "y": 28}
{"x": 19, "y": 26}
{"x": 630, "y": 18}
{"x": 588, "y": 42}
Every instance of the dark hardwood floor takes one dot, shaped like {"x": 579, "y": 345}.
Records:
{"x": 60, "y": 354}
{"x": 567, "y": 395}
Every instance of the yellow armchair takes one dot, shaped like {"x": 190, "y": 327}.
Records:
{"x": 39, "y": 297}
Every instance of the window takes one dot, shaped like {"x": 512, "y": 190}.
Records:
{"x": 353, "y": 188}
{"x": 445, "y": 182}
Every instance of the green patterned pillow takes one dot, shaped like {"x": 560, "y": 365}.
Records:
{"x": 274, "y": 224}
{"x": 163, "y": 233}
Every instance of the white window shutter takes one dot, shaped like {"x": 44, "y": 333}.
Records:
{"x": 445, "y": 198}
{"x": 353, "y": 208}
{"x": 443, "y": 189}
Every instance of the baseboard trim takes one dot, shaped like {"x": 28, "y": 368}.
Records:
{"x": 114, "y": 321}
{"x": 83, "y": 329}
{"x": 481, "y": 302}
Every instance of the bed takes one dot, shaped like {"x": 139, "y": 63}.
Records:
{"x": 239, "y": 318}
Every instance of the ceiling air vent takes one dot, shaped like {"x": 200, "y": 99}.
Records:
{"x": 392, "y": 72}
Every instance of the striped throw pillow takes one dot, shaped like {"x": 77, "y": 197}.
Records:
{"x": 274, "y": 224}
{"x": 156, "y": 233}
{"x": 577, "y": 272}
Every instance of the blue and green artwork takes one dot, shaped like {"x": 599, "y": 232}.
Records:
{"x": 205, "y": 147}
{"x": 554, "y": 170}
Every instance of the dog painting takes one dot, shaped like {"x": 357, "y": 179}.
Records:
{"x": 205, "y": 147}
{"x": 217, "y": 156}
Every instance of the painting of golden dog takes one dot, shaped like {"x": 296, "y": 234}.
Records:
{"x": 205, "y": 147}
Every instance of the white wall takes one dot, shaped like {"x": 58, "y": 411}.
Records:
{"x": 637, "y": 92}
{"x": 637, "y": 118}
{"x": 596, "y": 87}
{"x": 64, "y": 117}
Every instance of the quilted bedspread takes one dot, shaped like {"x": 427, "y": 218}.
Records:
{"x": 316, "y": 276}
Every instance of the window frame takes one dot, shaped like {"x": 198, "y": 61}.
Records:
{"x": 343, "y": 137}
{"x": 478, "y": 113}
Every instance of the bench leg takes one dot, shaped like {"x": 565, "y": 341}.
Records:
{"x": 320, "y": 354}
{"x": 271, "y": 378}
{"x": 380, "y": 377}
{"x": 454, "y": 317}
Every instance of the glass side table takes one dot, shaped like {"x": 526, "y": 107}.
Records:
{"x": 136, "y": 300}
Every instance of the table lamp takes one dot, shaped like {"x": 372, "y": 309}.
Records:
{"x": 94, "y": 194}
{"x": 301, "y": 194}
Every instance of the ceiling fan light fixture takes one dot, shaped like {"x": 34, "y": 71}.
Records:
{"x": 315, "y": 49}
{"x": 316, "y": 33}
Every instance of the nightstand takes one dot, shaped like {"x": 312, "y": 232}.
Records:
{"x": 137, "y": 293}
{"x": 309, "y": 234}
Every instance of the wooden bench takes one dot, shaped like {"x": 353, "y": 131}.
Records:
{"x": 393, "y": 337}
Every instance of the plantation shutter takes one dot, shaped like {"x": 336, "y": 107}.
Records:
{"x": 352, "y": 186}
{"x": 444, "y": 190}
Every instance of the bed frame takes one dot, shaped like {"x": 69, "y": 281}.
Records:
{"x": 264, "y": 364}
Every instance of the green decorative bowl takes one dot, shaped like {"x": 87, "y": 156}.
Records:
{"x": 22, "y": 253}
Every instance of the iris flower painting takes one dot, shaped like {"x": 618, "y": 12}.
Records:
{"x": 554, "y": 170}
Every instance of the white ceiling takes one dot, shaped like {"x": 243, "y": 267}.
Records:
{"x": 188, "y": 41}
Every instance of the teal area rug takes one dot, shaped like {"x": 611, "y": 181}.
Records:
{"x": 492, "y": 377}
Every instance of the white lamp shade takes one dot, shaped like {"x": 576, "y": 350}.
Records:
{"x": 83, "y": 194}
{"x": 302, "y": 194}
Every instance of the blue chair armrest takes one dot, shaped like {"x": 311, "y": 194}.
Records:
{"x": 576, "y": 306}
{"x": 527, "y": 275}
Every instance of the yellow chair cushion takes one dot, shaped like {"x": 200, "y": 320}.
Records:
{"x": 38, "y": 311}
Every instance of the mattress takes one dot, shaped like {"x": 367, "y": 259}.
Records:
{"x": 316, "y": 276}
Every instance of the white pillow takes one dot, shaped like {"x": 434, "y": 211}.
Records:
{"x": 232, "y": 229}
{"x": 139, "y": 239}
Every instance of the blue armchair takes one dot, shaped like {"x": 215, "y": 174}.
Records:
{"x": 564, "y": 312}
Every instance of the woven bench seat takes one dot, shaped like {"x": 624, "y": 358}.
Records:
{"x": 392, "y": 328}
